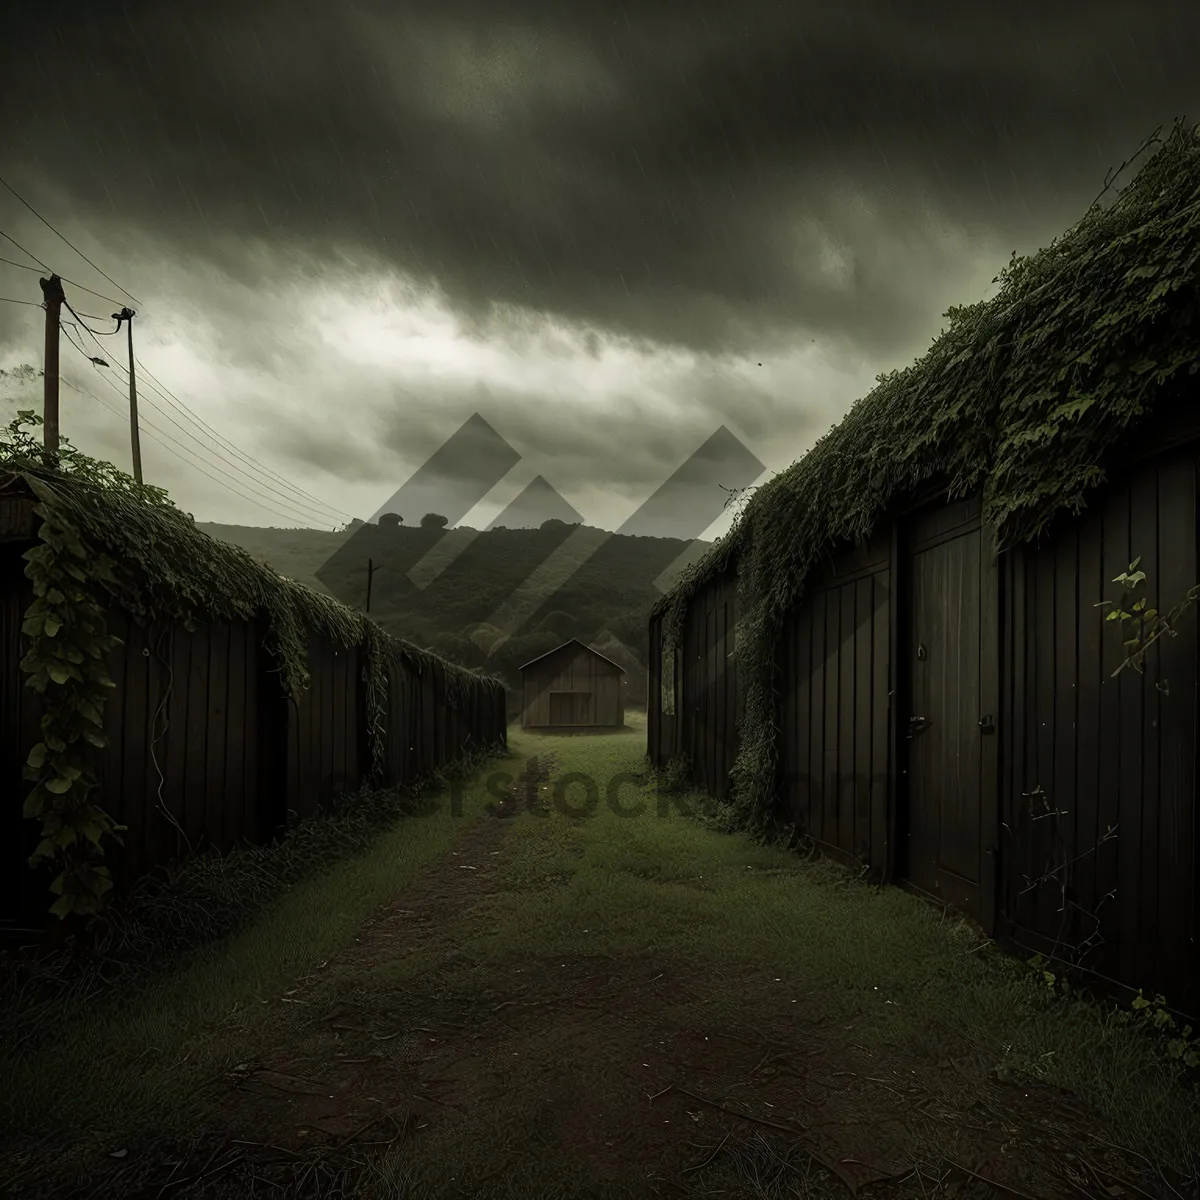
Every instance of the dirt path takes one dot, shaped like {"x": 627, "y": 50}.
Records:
{"x": 660, "y": 1071}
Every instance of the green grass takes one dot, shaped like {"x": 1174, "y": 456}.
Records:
{"x": 755, "y": 936}
{"x": 881, "y": 965}
{"x": 160, "y": 1048}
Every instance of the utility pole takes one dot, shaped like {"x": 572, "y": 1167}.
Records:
{"x": 52, "y": 293}
{"x": 127, "y": 314}
{"x": 371, "y": 569}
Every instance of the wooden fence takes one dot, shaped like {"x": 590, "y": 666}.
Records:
{"x": 949, "y": 719}
{"x": 701, "y": 723}
{"x": 205, "y": 751}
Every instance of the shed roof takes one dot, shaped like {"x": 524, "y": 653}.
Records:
{"x": 572, "y": 642}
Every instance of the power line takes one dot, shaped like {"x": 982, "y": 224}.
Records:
{"x": 117, "y": 412}
{"x": 237, "y": 450}
{"x": 23, "y": 266}
{"x": 222, "y": 482}
{"x": 75, "y": 248}
{"x": 229, "y": 479}
{"x": 42, "y": 266}
{"x": 296, "y": 515}
{"x": 93, "y": 332}
{"x": 10, "y": 300}
{"x": 306, "y": 500}
{"x": 319, "y": 508}
{"x": 24, "y": 251}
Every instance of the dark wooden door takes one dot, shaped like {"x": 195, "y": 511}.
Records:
{"x": 948, "y": 723}
{"x": 571, "y": 708}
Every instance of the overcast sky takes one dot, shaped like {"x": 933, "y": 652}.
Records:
{"x": 608, "y": 230}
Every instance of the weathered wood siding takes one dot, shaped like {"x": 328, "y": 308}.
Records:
{"x": 327, "y": 750}
{"x": 706, "y": 703}
{"x": 833, "y": 668}
{"x": 1113, "y": 760}
{"x": 572, "y": 688}
{"x": 1036, "y": 793}
{"x": 662, "y": 699}
{"x": 948, "y": 660}
{"x": 204, "y": 750}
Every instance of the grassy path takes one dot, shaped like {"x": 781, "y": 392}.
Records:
{"x": 521, "y": 1002}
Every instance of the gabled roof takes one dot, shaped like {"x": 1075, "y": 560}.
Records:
{"x": 572, "y": 642}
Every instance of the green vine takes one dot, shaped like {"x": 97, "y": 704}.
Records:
{"x": 1144, "y": 623}
{"x": 92, "y": 517}
{"x": 1176, "y": 1042}
{"x": 1019, "y": 399}
{"x": 66, "y": 666}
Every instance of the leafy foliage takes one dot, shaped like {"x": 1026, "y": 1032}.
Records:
{"x": 1144, "y": 623}
{"x": 1020, "y": 398}
{"x": 92, "y": 518}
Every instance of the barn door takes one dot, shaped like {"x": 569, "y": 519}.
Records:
{"x": 947, "y": 733}
{"x": 571, "y": 708}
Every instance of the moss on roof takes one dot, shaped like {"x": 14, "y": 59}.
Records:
{"x": 1020, "y": 398}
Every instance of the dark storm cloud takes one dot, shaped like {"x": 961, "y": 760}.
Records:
{"x": 677, "y": 171}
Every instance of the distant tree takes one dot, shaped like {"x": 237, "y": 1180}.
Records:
{"x": 392, "y": 519}
{"x": 483, "y": 635}
{"x": 562, "y": 624}
{"x": 553, "y": 523}
{"x": 434, "y": 521}
{"x": 457, "y": 649}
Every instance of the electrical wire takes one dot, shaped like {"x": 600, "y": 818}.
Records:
{"x": 152, "y": 430}
{"x": 10, "y": 300}
{"x": 75, "y": 248}
{"x": 321, "y": 508}
{"x": 300, "y": 499}
{"x": 298, "y": 508}
{"x": 294, "y": 515}
{"x": 237, "y": 451}
{"x": 306, "y": 500}
{"x": 22, "y": 249}
{"x": 42, "y": 266}
{"x": 93, "y": 332}
{"x": 23, "y": 266}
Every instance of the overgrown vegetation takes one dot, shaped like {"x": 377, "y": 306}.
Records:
{"x": 173, "y": 912}
{"x": 1020, "y": 399}
{"x": 608, "y": 589}
{"x": 516, "y": 1036}
{"x": 1144, "y": 623}
{"x": 106, "y": 539}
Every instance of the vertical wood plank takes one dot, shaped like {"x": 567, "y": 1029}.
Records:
{"x": 817, "y": 713}
{"x": 219, "y": 789}
{"x": 1177, "y": 835}
{"x": 1110, "y": 854}
{"x": 881, "y": 706}
{"x": 829, "y": 780}
{"x": 861, "y": 743}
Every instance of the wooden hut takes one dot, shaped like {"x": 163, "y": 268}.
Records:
{"x": 925, "y": 682}
{"x": 572, "y": 687}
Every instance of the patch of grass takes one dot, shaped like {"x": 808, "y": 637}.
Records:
{"x": 163, "y": 1045}
{"x": 876, "y": 966}
{"x": 740, "y": 940}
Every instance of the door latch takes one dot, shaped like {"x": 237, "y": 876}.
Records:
{"x": 987, "y": 725}
{"x": 916, "y": 724}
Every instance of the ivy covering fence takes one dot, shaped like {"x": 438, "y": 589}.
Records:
{"x": 105, "y": 541}
{"x": 1020, "y": 399}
